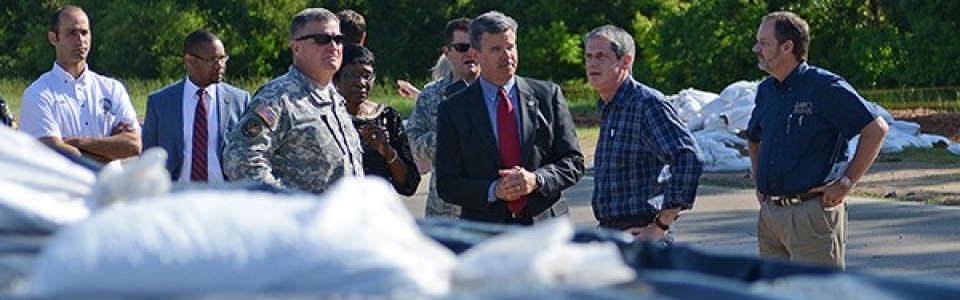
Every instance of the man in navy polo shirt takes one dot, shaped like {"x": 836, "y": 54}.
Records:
{"x": 799, "y": 130}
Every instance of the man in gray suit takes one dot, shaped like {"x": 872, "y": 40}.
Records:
{"x": 193, "y": 115}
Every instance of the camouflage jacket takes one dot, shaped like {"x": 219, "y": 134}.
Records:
{"x": 422, "y": 133}
{"x": 296, "y": 134}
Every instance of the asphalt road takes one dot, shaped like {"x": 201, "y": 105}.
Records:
{"x": 885, "y": 237}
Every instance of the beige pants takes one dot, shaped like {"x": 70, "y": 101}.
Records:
{"x": 807, "y": 232}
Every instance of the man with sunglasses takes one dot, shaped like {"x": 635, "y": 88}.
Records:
{"x": 189, "y": 119}
{"x": 506, "y": 144}
{"x": 296, "y": 132}
{"x": 422, "y": 125}
{"x": 72, "y": 108}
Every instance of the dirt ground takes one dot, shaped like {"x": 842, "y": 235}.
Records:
{"x": 905, "y": 181}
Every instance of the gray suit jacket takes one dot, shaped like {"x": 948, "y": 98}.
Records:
{"x": 163, "y": 124}
{"x": 468, "y": 156}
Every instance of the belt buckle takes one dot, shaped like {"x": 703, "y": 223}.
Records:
{"x": 788, "y": 201}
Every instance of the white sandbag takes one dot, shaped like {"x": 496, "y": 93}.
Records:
{"x": 358, "y": 239}
{"x": 139, "y": 177}
{"x": 954, "y": 148}
{"x": 26, "y": 161}
{"x": 24, "y": 209}
{"x": 541, "y": 255}
{"x": 935, "y": 140}
{"x": 904, "y": 127}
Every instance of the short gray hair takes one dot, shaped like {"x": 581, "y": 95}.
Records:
{"x": 310, "y": 15}
{"x": 621, "y": 43}
{"x": 492, "y": 22}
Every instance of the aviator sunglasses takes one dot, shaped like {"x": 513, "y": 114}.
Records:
{"x": 322, "y": 38}
{"x": 460, "y": 47}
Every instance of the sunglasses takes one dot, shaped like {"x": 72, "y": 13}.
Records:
{"x": 322, "y": 38}
{"x": 460, "y": 47}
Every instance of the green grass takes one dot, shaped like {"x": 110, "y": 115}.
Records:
{"x": 935, "y": 155}
{"x": 580, "y": 97}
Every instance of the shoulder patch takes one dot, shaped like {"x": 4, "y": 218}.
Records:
{"x": 251, "y": 128}
{"x": 266, "y": 113}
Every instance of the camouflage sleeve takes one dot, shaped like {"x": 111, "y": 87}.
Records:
{"x": 421, "y": 124}
{"x": 252, "y": 142}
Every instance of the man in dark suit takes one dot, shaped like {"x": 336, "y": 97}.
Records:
{"x": 174, "y": 113}
{"x": 506, "y": 145}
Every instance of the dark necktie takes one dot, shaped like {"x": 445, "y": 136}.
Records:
{"x": 198, "y": 164}
{"x": 509, "y": 142}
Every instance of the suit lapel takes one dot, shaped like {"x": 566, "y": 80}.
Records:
{"x": 175, "y": 112}
{"x": 476, "y": 108}
{"x": 528, "y": 120}
{"x": 223, "y": 105}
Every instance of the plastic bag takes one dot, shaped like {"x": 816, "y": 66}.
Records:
{"x": 540, "y": 255}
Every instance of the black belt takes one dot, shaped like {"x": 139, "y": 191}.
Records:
{"x": 624, "y": 223}
{"x": 792, "y": 200}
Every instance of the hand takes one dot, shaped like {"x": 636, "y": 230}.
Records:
{"x": 376, "y": 136}
{"x": 650, "y": 232}
{"x": 760, "y": 196}
{"x": 833, "y": 193}
{"x": 407, "y": 90}
{"x": 122, "y": 127}
{"x": 515, "y": 183}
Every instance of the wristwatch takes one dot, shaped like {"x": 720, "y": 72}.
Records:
{"x": 660, "y": 224}
{"x": 846, "y": 182}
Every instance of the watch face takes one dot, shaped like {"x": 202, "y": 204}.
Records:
{"x": 845, "y": 181}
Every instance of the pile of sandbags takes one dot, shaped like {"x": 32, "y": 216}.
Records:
{"x": 718, "y": 122}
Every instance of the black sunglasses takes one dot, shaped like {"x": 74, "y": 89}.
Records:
{"x": 460, "y": 47}
{"x": 322, "y": 38}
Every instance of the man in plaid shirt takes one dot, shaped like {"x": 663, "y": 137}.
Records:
{"x": 647, "y": 164}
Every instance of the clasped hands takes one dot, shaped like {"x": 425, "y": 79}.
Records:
{"x": 514, "y": 183}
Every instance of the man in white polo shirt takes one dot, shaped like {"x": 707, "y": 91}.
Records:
{"x": 73, "y": 109}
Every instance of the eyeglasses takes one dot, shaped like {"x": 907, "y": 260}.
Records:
{"x": 212, "y": 61}
{"x": 322, "y": 38}
{"x": 364, "y": 77}
{"x": 460, "y": 47}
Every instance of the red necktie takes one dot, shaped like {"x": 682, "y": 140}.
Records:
{"x": 509, "y": 142}
{"x": 198, "y": 164}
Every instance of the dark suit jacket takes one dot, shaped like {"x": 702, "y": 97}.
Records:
{"x": 468, "y": 156}
{"x": 163, "y": 125}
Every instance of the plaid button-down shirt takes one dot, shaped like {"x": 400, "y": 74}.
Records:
{"x": 646, "y": 159}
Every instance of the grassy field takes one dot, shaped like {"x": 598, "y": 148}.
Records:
{"x": 582, "y": 99}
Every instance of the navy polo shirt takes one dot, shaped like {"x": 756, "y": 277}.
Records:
{"x": 804, "y": 125}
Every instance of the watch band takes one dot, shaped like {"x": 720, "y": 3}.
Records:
{"x": 660, "y": 224}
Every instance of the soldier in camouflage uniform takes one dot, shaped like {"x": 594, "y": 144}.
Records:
{"x": 422, "y": 125}
{"x": 296, "y": 131}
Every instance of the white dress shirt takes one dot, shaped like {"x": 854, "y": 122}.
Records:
{"x": 190, "y": 100}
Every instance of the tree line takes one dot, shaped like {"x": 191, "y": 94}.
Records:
{"x": 681, "y": 43}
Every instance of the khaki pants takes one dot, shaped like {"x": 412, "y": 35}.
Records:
{"x": 807, "y": 232}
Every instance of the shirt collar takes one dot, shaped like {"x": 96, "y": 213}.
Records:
{"x": 491, "y": 90}
{"x": 65, "y": 76}
{"x": 621, "y": 91}
{"x": 794, "y": 77}
{"x": 191, "y": 88}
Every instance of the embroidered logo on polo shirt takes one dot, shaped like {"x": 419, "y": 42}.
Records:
{"x": 107, "y": 105}
{"x": 803, "y": 108}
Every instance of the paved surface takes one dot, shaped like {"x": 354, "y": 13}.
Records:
{"x": 885, "y": 237}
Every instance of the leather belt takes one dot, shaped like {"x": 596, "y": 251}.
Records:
{"x": 792, "y": 200}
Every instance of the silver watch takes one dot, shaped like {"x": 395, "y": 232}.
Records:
{"x": 846, "y": 182}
